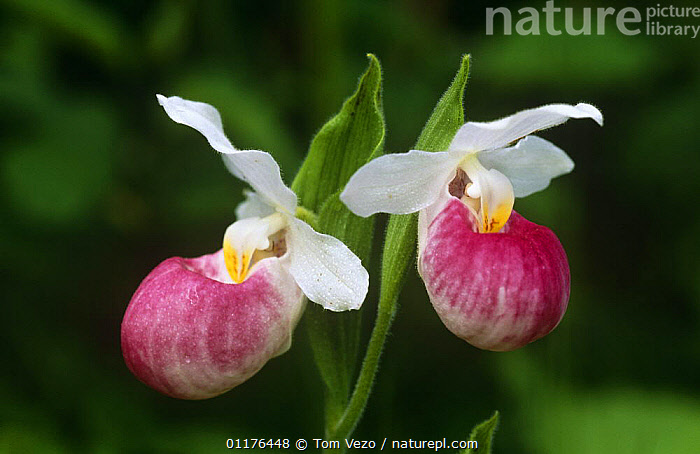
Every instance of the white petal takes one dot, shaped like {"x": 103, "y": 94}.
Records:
{"x": 200, "y": 116}
{"x": 326, "y": 270}
{"x": 399, "y": 183}
{"x": 253, "y": 206}
{"x": 529, "y": 165}
{"x": 428, "y": 214}
{"x": 260, "y": 170}
{"x": 497, "y": 134}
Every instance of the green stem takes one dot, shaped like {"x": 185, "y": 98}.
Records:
{"x": 363, "y": 386}
{"x": 307, "y": 216}
{"x": 399, "y": 250}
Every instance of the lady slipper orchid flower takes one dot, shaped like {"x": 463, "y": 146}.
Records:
{"x": 196, "y": 328}
{"x": 495, "y": 279}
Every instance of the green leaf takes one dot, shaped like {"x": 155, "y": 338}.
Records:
{"x": 335, "y": 342}
{"x": 400, "y": 248}
{"x": 483, "y": 435}
{"x": 448, "y": 115}
{"x": 336, "y": 337}
{"x": 344, "y": 144}
{"x": 354, "y": 231}
{"x": 400, "y": 243}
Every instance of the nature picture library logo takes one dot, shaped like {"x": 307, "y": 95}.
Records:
{"x": 659, "y": 20}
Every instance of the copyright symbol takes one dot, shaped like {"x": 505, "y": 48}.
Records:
{"x": 301, "y": 444}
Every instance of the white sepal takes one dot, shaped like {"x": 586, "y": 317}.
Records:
{"x": 256, "y": 168}
{"x": 529, "y": 165}
{"x": 498, "y": 134}
{"x": 399, "y": 183}
{"x": 253, "y": 206}
{"x": 327, "y": 271}
{"x": 200, "y": 116}
{"x": 260, "y": 170}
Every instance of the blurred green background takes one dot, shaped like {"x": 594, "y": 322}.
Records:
{"x": 97, "y": 186}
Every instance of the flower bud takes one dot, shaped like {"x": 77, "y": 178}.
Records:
{"x": 497, "y": 291}
{"x": 191, "y": 333}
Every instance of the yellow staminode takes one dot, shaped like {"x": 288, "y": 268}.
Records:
{"x": 492, "y": 222}
{"x": 489, "y": 195}
{"x": 247, "y": 241}
{"x": 237, "y": 264}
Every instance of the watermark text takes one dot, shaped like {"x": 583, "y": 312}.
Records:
{"x": 654, "y": 20}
